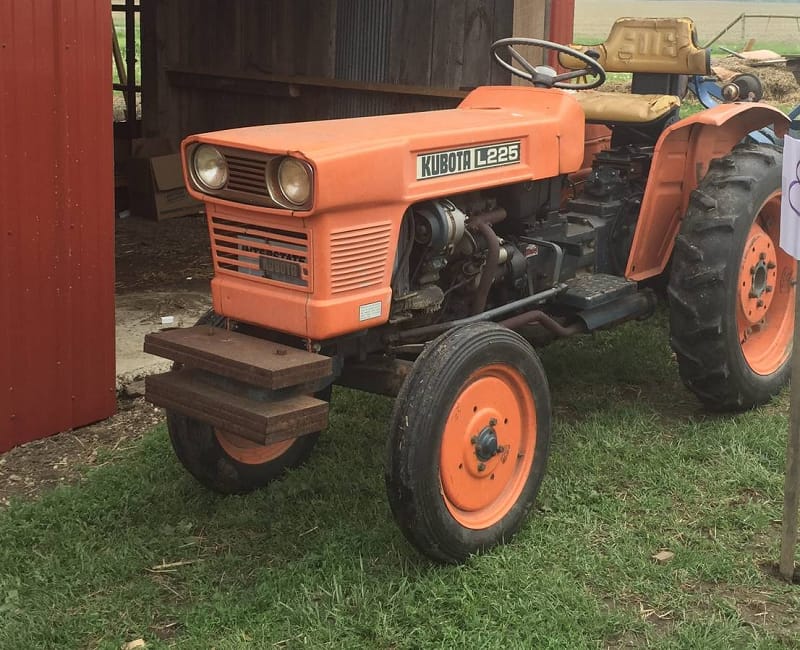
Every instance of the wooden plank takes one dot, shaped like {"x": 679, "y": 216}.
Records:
{"x": 238, "y": 356}
{"x": 229, "y": 83}
{"x": 314, "y": 40}
{"x": 478, "y": 36}
{"x": 381, "y": 376}
{"x": 447, "y": 53}
{"x": 186, "y": 391}
{"x": 410, "y": 42}
{"x": 503, "y": 28}
{"x": 184, "y": 74}
{"x": 530, "y": 21}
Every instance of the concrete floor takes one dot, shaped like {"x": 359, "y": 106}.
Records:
{"x": 140, "y": 313}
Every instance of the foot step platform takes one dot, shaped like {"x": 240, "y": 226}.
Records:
{"x": 191, "y": 392}
{"x": 590, "y": 291}
{"x": 237, "y": 356}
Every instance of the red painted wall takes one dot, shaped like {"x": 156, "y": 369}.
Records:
{"x": 56, "y": 217}
{"x": 562, "y": 21}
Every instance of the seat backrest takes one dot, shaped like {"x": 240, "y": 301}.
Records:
{"x": 648, "y": 45}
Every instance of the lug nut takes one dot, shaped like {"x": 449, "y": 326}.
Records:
{"x": 768, "y": 288}
{"x": 492, "y": 422}
{"x": 760, "y": 303}
{"x": 762, "y": 256}
{"x": 481, "y": 467}
{"x": 770, "y": 265}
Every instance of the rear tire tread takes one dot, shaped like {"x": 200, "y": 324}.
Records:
{"x": 707, "y": 351}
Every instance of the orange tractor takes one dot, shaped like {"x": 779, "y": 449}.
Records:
{"x": 421, "y": 256}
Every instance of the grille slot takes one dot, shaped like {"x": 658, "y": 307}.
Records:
{"x": 359, "y": 257}
{"x": 247, "y": 175}
{"x": 256, "y": 251}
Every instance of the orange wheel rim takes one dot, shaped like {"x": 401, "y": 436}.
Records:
{"x": 488, "y": 445}
{"x": 765, "y": 292}
{"x": 249, "y": 452}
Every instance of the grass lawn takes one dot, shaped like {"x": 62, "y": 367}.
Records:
{"x": 316, "y": 561}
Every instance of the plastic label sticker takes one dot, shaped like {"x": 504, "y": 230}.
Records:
{"x": 369, "y": 311}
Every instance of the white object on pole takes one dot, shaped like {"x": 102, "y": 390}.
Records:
{"x": 790, "y": 242}
{"x": 790, "y": 202}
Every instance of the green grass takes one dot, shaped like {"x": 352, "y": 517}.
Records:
{"x": 316, "y": 561}
{"x": 119, "y": 28}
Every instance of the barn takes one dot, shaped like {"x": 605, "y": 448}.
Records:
{"x": 205, "y": 65}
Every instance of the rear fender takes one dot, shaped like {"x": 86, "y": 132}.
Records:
{"x": 682, "y": 157}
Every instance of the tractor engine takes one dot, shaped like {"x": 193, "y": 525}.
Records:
{"x": 450, "y": 256}
{"x": 459, "y": 255}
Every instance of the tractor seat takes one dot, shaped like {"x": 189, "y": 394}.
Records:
{"x": 659, "y": 52}
{"x": 621, "y": 108}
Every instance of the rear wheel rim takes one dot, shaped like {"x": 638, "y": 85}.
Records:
{"x": 248, "y": 452}
{"x": 488, "y": 445}
{"x": 766, "y": 293}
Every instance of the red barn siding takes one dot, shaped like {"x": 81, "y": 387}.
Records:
{"x": 562, "y": 20}
{"x": 56, "y": 217}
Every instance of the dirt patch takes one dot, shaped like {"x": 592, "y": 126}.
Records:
{"x": 780, "y": 86}
{"x": 758, "y": 609}
{"x": 31, "y": 469}
{"x": 170, "y": 254}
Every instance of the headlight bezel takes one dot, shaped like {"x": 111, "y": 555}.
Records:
{"x": 276, "y": 188}
{"x": 241, "y": 184}
{"x": 198, "y": 176}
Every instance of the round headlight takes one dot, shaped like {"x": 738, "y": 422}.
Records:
{"x": 294, "y": 180}
{"x": 210, "y": 168}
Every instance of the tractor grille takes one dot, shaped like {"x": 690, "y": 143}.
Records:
{"x": 359, "y": 257}
{"x": 274, "y": 255}
{"x": 247, "y": 175}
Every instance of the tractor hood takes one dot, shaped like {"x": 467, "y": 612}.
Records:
{"x": 497, "y": 135}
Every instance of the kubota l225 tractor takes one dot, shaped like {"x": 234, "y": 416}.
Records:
{"x": 420, "y": 255}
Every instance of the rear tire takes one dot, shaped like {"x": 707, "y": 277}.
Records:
{"x": 731, "y": 288}
{"x": 468, "y": 442}
{"x": 227, "y": 463}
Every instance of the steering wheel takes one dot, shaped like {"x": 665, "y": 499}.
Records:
{"x": 543, "y": 76}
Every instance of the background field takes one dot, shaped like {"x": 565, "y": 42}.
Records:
{"x": 593, "y": 18}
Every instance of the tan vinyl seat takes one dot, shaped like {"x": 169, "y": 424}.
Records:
{"x": 650, "y": 46}
{"x": 622, "y": 108}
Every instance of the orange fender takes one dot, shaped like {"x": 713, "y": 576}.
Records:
{"x": 681, "y": 160}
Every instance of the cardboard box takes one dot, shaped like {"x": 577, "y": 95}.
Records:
{"x": 156, "y": 182}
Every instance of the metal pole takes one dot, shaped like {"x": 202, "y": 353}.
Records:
{"x": 130, "y": 59}
{"x": 791, "y": 489}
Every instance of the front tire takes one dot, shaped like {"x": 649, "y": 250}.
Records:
{"x": 731, "y": 288}
{"x": 227, "y": 463}
{"x": 468, "y": 443}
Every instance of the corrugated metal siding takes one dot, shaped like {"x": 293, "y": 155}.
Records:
{"x": 362, "y": 40}
{"x": 362, "y": 54}
{"x": 56, "y": 217}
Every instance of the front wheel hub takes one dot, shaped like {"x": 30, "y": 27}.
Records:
{"x": 486, "y": 446}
